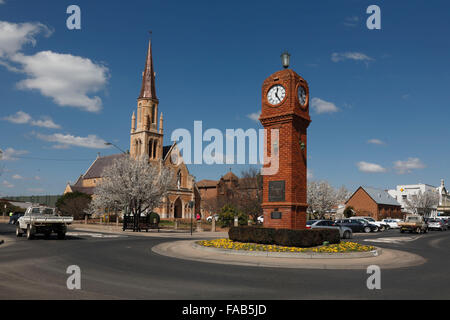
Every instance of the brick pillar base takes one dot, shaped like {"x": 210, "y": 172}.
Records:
{"x": 285, "y": 216}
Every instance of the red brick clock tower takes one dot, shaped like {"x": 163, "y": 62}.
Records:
{"x": 285, "y": 106}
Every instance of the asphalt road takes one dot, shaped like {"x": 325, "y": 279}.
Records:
{"x": 124, "y": 267}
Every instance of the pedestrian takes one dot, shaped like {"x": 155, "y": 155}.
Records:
{"x": 198, "y": 216}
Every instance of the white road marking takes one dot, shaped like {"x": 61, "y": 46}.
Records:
{"x": 395, "y": 240}
{"x": 93, "y": 235}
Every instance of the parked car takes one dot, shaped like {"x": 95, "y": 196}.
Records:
{"x": 413, "y": 223}
{"x": 16, "y": 215}
{"x": 216, "y": 217}
{"x": 40, "y": 219}
{"x": 345, "y": 232}
{"x": 357, "y": 225}
{"x": 261, "y": 219}
{"x": 381, "y": 225}
{"x": 436, "y": 224}
{"x": 393, "y": 223}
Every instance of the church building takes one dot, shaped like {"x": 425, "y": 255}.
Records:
{"x": 146, "y": 138}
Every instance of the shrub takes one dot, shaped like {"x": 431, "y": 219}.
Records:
{"x": 284, "y": 237}
{"x": 155, "y": 216}
{"x": 349, "y": 212}
{"x": 227, "y": 214}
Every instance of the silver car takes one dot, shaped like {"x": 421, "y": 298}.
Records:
{"x": 345, "y": 232}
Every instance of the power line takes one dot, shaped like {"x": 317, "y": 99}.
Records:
{"x": 49, "y": 159}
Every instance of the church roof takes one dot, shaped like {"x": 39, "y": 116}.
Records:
{"x": 230, "y": 176}
{"x": 206, "y": 183}
{"x": 96, "y": 169}
{"x": 379, "y": 196}
{"x": 148, "y": 78}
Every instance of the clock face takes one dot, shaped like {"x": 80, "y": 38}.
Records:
{"x": 276, "y": 94}
{"x": 301, "y": 95}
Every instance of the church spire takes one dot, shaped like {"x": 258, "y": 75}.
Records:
{"x": 148, "y": 78}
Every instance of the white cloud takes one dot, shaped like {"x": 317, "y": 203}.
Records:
{"x": 45, "y": 123}
{"x": 375, "y": 141}
{"x": 20, "y": 118}
{"x": 370, "y": 167}
{"x": 6, "y": 184}
{"x": 91, "y": 141}
{"x": 11, "y": 154}
{"x": 17, "y": 177}
{"x": 351, "y": 21}
{"x": 322, "y": 106}
{"x": 13, "y": 36}
{"x": 69, "y": 80}
{"x": 65, "y": 78}
{"x": 356, "y": 56}
{"x": 407, "y": 166}
{"x": 23, "y": 118}
{"x": 254, "y": 116}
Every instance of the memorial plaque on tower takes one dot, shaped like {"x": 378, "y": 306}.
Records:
{"x": 276, "y": 191}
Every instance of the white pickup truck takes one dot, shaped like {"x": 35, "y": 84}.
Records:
{"x": 38, "y": 219}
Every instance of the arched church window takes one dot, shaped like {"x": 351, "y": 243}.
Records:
{"x": 155, "y": 144}
{"x": 150, "y": 149}
{"x": 179, "y": 179}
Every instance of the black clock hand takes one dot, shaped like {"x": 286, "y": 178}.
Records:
{"x": 276, "y": 94}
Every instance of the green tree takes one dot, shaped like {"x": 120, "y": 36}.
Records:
{"x": 74, "y": 204}
{"x": 227, "y": 214}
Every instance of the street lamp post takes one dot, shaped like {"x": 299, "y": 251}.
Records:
{"x": 285, "y": 59}
{"x": 191, "y": 206}
{"x": 112, "y": 144}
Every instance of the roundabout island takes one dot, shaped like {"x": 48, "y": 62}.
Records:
{"x": 345, "y": 255}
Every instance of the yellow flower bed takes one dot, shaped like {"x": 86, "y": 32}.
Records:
{"x": 331, "y": 248}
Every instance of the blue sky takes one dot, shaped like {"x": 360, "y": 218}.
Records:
{"x": 381, "y": 96}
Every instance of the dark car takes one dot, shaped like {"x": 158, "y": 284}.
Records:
{"x": 13, "y": 219}
{"x": 357, "y": 225}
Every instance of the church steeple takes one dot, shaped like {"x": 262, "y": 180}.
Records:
{"x": 145, "y": 138}
{"x": 148, "y": 77}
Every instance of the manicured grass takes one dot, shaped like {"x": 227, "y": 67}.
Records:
{"x": 342, "y": 247}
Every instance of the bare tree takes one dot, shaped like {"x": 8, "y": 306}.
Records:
{"x": 422, "y": 203}
{"x": 250, "y": 193}
{"x": 134, "y": 183}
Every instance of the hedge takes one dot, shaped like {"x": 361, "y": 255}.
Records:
{"x": 284, "y": 237}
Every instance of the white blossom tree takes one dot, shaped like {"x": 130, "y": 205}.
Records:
{"x": 321, "y": 198}
{"x": 342, "y": 195}
{"x": 422, "y": 203}
{"x": 134, "y": 183}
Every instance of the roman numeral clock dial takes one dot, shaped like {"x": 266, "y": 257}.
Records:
{"x": 276, "y": 94}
